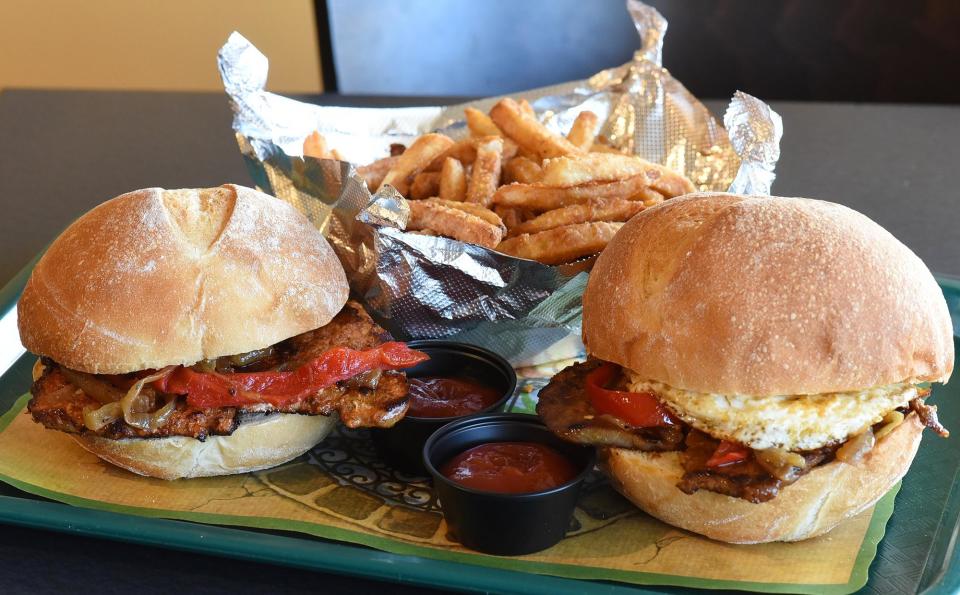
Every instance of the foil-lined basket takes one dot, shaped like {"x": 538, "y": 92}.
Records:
{"x": 421, "y": 286}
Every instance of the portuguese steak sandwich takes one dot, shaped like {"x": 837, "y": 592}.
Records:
{"x": 757, "y": 364}
{"x": 187, "y": 333}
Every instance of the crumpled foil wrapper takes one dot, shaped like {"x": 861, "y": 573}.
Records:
{"x": 421, "y": 286}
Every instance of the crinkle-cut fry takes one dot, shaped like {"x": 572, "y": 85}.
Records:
{"x": 540, "y": 197}
{"x": 521, "y": 169}
{"x": 528, "y": 132}
{"x": 596, "y": 209}
{"x": 425, "y": 184}
{"x": 417, "y": 157}
{"x": 584, "y": 130}
{"x": 315, "y": 145}
{"x": 373, "y": 173}
{"x": 474, "y": 209}
{"x": 452, "y": 223}
{"x": 485, "y": 177}
{"x": 453, "y": 180}
{"x": 562, "y": 244}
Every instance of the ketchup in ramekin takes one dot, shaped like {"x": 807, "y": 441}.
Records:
{"x": 506, "y": 484}
{"x": 457, "y": 381}
{"x": 510, "y": 468}
{"x": 435, "y": 396}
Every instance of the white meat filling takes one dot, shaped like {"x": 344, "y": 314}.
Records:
{"x": 791, "y": 422}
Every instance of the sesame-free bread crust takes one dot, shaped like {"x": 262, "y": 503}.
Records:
{"x": 158, "y": 277}
{"x": 765, "y": 295}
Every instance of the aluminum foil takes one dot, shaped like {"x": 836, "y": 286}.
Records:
{"x": 426, "y": 287}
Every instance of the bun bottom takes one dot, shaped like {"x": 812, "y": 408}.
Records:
{"x": 256, "y": 444}
{"x": 815, "y": 504}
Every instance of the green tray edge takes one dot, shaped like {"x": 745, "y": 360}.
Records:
{"x": 360, "y": 561}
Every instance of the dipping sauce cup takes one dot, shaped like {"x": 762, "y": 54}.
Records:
{"x": 507, "y": 524}
{"x": 401, "y": 446}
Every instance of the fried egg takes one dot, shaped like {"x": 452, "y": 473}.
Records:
{"x": 791, "y": 422}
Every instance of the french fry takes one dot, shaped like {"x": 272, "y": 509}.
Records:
{"x": 522, "y": 169}
{"x": 453, "y": 180}
{"x": 480, "y": 123}
{"x": 417, "y": 157}
{"x": 596, "y": 209}
{"x": 315, "y": 145}
{"x": 485, "y": 177}
{"x": 465, "y": 151}
{"x": 425, "y": 184}
{"x": 604, "y": 148}
{"x": 564, "y": 197}
{"x": 511, "y": 216}
{"x": 453, "y": 223}
{"x": 528, "y": 132}
{"x": 562, "y": 244}
{"x": 526, "y": 108}
{"x": 373, "y": 173}
{"x": 474, "y": 209}
{"x": 584, "y": 130}
{"x": 607, "y": 167}
{"x": 540, "y": 197}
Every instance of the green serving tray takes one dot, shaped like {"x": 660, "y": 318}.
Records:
{"x": 917, "y": 554}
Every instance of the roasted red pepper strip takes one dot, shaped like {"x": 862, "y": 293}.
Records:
{"x": 728, "y": 453}
{"x": 208, "y": 390}
{"x": 641, "y": 410}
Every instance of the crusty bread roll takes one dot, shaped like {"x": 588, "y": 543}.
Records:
{"x": 161, "y": 277}
{"x": 158, "y": 277}
{"x": 260, "y": 443}
{"x": 813, "y": 505}
{"x": 765, "y": 295}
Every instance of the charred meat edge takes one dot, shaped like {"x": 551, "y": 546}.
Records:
{"x": 377, "y": 399}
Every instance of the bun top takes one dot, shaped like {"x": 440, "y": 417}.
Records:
{"x": 765, "y": 295}
{"x": 158, "y": 277}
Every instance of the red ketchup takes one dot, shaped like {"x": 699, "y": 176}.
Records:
{"x": 448, "y": 397}
{"x": 510, "y": 468}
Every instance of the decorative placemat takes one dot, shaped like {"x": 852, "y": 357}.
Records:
{"x": 341, "y": 491}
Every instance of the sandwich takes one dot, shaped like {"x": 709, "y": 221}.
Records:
{"x": 758, "y": 367}
{"x": 199, "y": 332}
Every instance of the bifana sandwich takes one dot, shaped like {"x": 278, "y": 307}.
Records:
{"x": 198, "y": 332}
{"x": 758, "y": 366}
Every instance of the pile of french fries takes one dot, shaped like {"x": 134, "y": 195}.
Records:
{"x": 517, "y": 187}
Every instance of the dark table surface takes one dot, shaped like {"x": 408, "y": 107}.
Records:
{"x": 61, "y": 153}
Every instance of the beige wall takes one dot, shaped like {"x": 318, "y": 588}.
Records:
{"x": 162, "y": 44}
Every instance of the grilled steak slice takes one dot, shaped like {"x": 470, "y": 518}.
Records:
{"x": 59, "y": 405}
{"x": 372, "y": 399}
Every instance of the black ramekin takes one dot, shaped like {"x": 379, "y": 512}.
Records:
{"x": 401, "y": 446}
{"x": 504, "y": 524}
